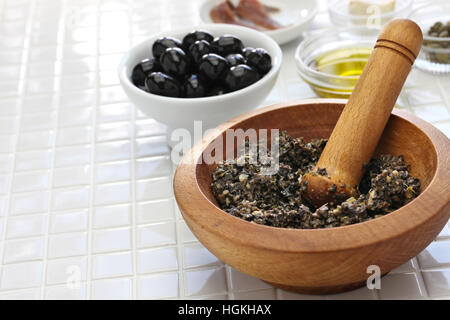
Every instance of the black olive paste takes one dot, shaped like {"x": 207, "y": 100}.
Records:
{"x": 277, "y": 200}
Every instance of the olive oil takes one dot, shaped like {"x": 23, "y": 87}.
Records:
{"x": 344, "y": 66}
{"x": 347, "y": 62}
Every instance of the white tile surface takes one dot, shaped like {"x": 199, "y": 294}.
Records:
{"x": 401, "y": 286}
{"x": 28, "y": 294}
{"x": 112, "y": 171}
{"x": 71, "y": 176}
{"x": 86, "y": 203}
{"x": 71, "y": 198}
{"x": 154, "y": 211}
{"x": 205, "y": 281}
{"x": 72, "y": 156}
{"x": 155, "y": 260}
{"x": 435, "y": 255}
{"x": 112, "y": 193}
{"x": 112, "y": 265}
{"x": 158, "y": 286}
{"x": 69, "y": 221}
{"x": 26, "y": 226}
{"x": 73, "y": 136}
{"x": 186, "y": 234}
{"x": 23, "y": 250}
{"x": 196, "y": 255}
{"x": 21, "y": 275}
{"x": 26, "y": 203}
{"x": 66, "y": 245}
{"x": 156, "y": 235}
{"x": 114, "y": 289}
{"x": 241, "y": 281}
{"x": 33, "y": 160}
{"x": 111, "y": 240}
{"x": 437, "y": 282}
{"x": 268, "y": 294}
{"x": 66, "y": 270}
{"x": 111, "y": 216}
{"x": 153, "y": 189}
{"x": 63, "y": 292}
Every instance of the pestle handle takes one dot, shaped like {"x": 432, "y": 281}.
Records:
{"x": 361, "y": 124}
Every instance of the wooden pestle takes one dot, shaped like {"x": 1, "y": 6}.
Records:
{"x": 361, "y": 124}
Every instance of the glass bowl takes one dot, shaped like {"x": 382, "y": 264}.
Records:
{"x": 435, "y": 54}
{"x": 332, "y": 60}
{"x": 364, "y": 14}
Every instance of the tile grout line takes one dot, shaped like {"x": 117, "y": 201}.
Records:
{"x": 278, "y": 295}
{"x": 133, "y": 180}
{"x": 422, "y": 283}
{"x": 229, "y": 282}
{"x": 25, "y": 55}
{"x": 89, "y": 267}
{"x": 59, "y": 50}
{"x": 179, "y": 244}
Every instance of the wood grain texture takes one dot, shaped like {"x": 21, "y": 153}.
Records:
{"x": 362, "y": 122}
{"x": 324, "y": 260}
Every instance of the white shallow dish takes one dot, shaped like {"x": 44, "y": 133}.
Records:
{"x": 181, "y": 113}
{"x": 297, "y": 15}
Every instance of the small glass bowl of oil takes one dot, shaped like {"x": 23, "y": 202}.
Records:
{"x": 332, "y": 60}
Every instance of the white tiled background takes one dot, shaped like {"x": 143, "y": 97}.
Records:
{"x": 86, "y": 204}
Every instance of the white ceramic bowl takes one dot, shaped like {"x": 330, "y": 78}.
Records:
{"x": 296, "y": 15}
{"x": 182, "y": 112}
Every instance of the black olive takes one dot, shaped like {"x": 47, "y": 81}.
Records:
{"x": 260, "y": 60}
{"x": 175, "y": 62}
{"x": 198, "y": 49}
{"x": 240, "y": 76}
{"x": 196, "y": 35}
{"x": 142, "y": 70}
{"x": 194, "y": 87}
{"x": 246, "y": 51}
{"x": 163, "y": 85}
{"x": 161, "y": 44}
{"x": 217, "y": 91}
{"x": 225, "y": 45}
{"x": 234, "y": 59}
{"x": 212, "y": 66}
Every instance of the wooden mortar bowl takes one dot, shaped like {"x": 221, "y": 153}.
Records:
{"x": 330, "y": 260}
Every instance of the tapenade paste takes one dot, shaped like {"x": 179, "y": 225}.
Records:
{"x": 277, "y": 200}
